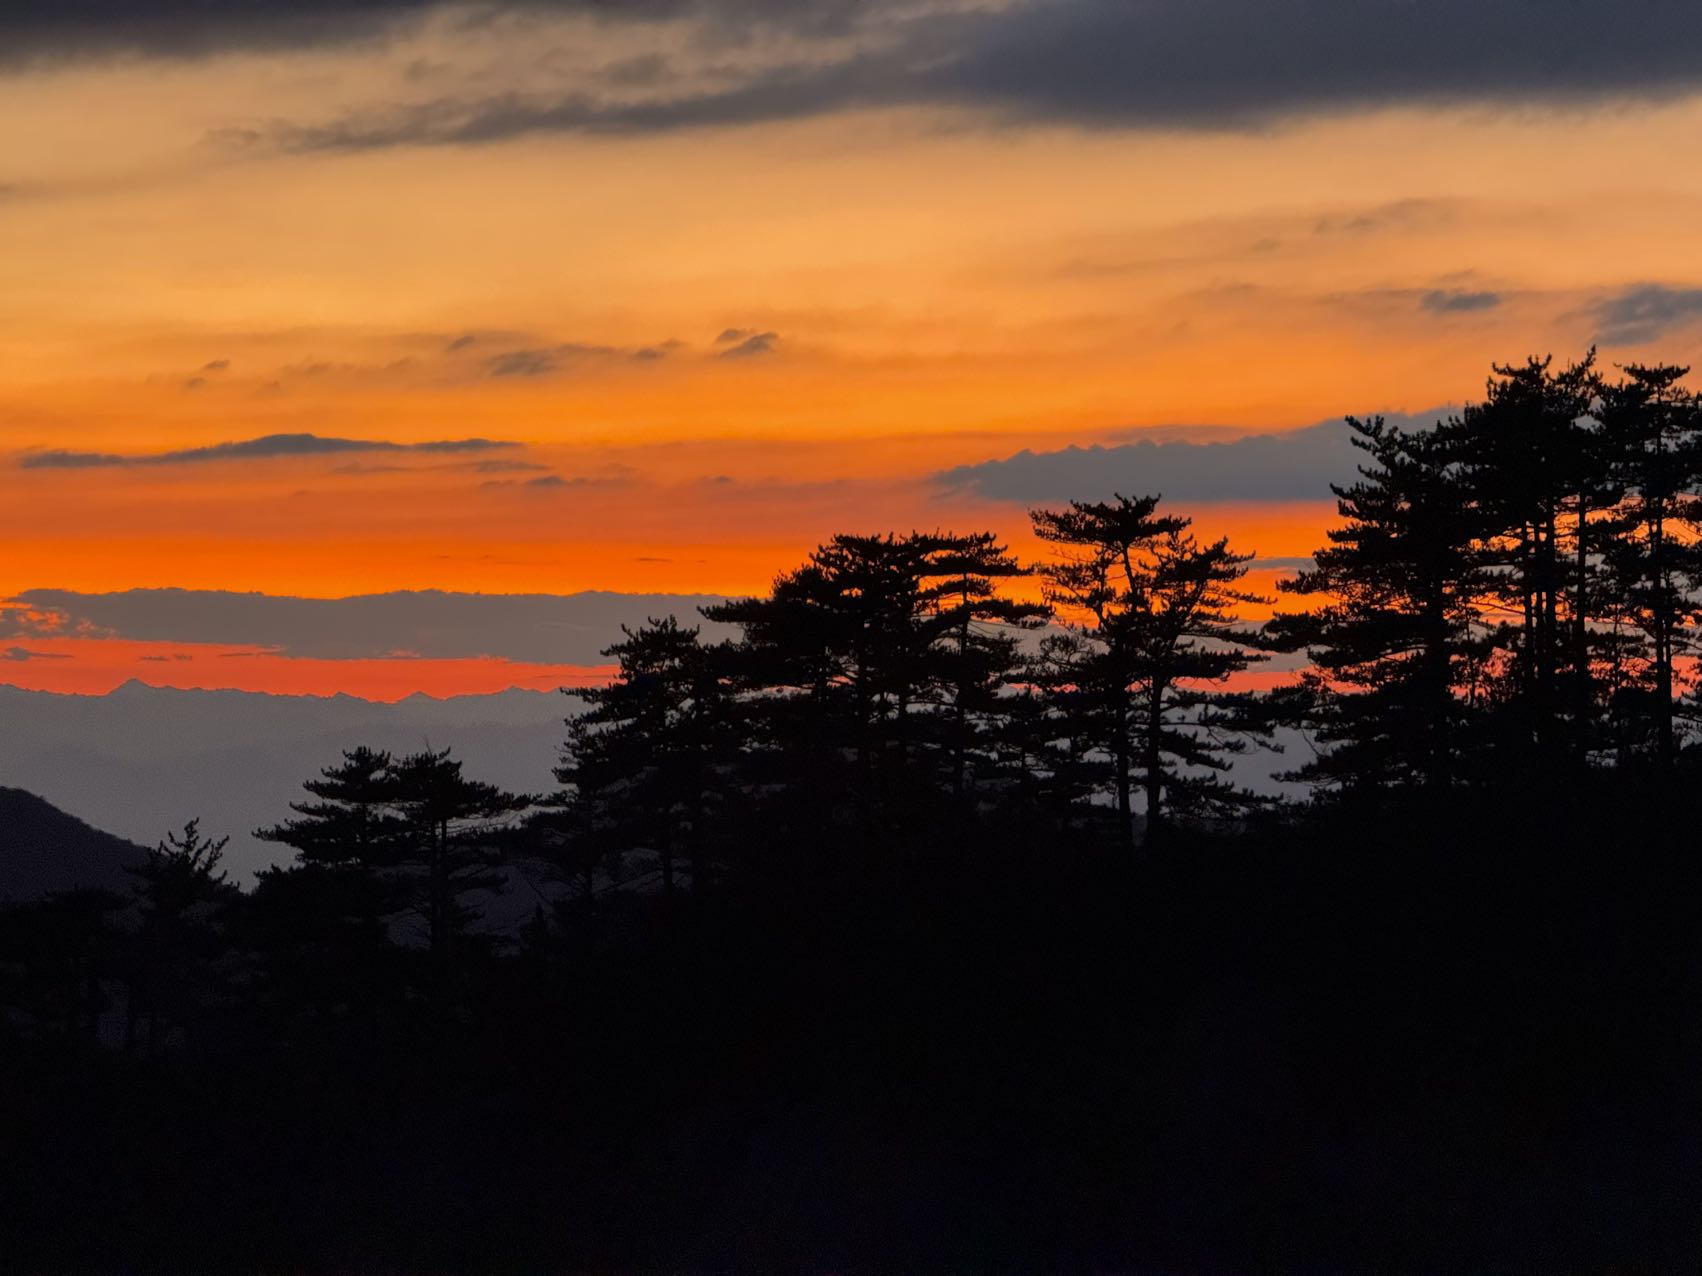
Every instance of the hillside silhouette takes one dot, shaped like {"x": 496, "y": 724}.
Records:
{"x": 916, "y": 918}
{"x": 43, "y": 850}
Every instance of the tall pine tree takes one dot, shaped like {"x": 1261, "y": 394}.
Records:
{"x": 1154, "y": 615}
{"x": 1394, "y": 643}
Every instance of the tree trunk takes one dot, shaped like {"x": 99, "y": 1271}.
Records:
{"x": 1581, "y": 628}
{"x": 1125, "y": 804}
{"x": 960, "y": 719}
{"x": 1438, "y": 694}
{"x": 1664, "y": 743}
{"x": 1154, "y": 778}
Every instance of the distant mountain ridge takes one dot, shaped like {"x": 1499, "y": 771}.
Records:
{"x": 143, "y": 759}
{"x": 43, "y": 849}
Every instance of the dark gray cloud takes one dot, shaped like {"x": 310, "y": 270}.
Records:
{"x": 750, "y": 345}
{"x": 73, "y": 29}
{"x": 529, "y": 363}
{"x": 38, "y": 31}
{"x": 1447, "y": 301}
{"x": 542, "y": 628}
{"x": 545, "y": 361}
{"x": 1415, "y": 214}
{"x": 1110, "y": 63}
{"x": 67, "y": 29}
{"x": 555, "y": 482}
{"x": 1099, "y": 63}
{"x": 1646, "y": 313}
{"x": 25, "y": 653}
{"x": 1295, "y": 465}
{"x": 267, "y": 447}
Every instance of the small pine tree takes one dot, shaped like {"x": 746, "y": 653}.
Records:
{"x": 981, "y": 655}
{"x": 181, "y": 893}
{"x": 449, "y": 844}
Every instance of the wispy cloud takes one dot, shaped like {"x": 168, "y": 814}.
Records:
{"x": 1293, "y": 465}
{"x": 555, "y": 482}
{"x": 1447, "y": 301}
{"x": 1645, "y": 313}
{"x": 181, "y": 29}
{"x": 26, "y": 653}
{"x": 750, "y": 345}
{"x": 506, "y": 467}
{"x": 544, "y": 361}
{"x": 267, "y": 447}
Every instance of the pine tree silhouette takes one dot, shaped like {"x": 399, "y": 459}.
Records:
{"x": 1396, "y": 644}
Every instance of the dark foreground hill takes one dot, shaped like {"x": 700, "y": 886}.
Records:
{"x": 42, "y": 849}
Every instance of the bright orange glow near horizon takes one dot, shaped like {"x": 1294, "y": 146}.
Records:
{"x": 673, "y": 360}
{"x": 95, "y": 666}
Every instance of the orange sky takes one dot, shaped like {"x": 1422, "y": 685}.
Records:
{"x": 939, "y": 293}
{"x": 95, "y": 666}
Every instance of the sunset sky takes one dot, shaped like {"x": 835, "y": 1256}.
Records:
{"x": 316, "y": 300}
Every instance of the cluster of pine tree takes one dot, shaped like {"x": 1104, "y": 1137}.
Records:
{"x": 845, "y": 932}
{"x": 896, "y": 683}
{"x": 1510, "y": 598}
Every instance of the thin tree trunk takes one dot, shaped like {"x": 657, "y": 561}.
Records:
{"x": 960, "y": 718}
{"x": 1580, "y": 622}
{"x": 1125, "y": 805}
{"x": 1664, "y": 744}
{"x": 1154, "y": 763}
{"x": 1439, "y": 694}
